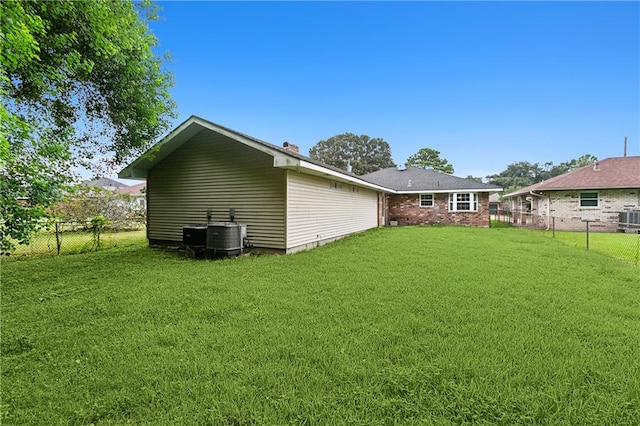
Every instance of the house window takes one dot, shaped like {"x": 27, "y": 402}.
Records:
{"x": 589, "y": 199}
{"x": 426, "y": 200}
{"x": 463, "y": 202}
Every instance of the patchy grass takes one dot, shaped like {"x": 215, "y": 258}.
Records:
{"x": 416, "y": 325}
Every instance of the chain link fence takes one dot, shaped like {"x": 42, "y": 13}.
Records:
{"x": 613, "y": 238}
{"x": 73, "y": 237}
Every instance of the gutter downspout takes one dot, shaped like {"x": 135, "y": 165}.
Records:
{"x": 548, "y": 208}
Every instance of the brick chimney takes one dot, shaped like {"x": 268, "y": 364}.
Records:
{"x": 291, "y": 147}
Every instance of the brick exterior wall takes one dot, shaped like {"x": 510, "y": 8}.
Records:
{"x": 565, "y": 205}
{"x": 405, "y": 208}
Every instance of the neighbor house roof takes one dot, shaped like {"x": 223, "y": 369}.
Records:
{"x": 133, "y": 189}
{"x": 282, "y": 157}
{"x": 105, "y": 183}
{"x": 610, "y": 173}
{"x": 416, "y": 180}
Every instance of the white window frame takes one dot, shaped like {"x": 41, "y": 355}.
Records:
{"x": 454, "y": 202}
{"x": 431, "y": 201}
{"x": 596, "y": 199}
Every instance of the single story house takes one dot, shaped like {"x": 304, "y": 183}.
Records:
{"x": 423, "y": 196}
{"x": 105, "y": 183}
{"x": 203, "y": 172}
{"x": 597, "y": 192}
{"x": 136, "y": 192}
{"x": 495, "y": 203}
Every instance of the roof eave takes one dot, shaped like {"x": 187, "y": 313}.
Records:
{"x": 575, "y": 188}
{"x": 314, "y": 169}
{"x": 445, "y": 191}
{"x": 139, "y": 168}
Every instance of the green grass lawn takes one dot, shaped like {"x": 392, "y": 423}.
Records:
{"x": 44, "y": 243}
{"x": 624, "y": 246}
{"x": 403, "y": 325}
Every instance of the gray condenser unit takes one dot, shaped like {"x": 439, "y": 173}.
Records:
{"x": 629, "y": 220}
{"x": 194, "y": 236}
{"x": 226, "y": 237}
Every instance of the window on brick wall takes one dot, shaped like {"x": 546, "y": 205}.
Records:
{"x": 463, "y": 202}
{"x": 426, "y": 200}
{"x": 589, "y": 199}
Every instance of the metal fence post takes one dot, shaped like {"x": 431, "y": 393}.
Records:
{"x": 587, "y": 235}
{"x": 58, "y": 238}
{"x": 638, "y": 249}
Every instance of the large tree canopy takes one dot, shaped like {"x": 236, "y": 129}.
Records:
{"x": 360, "y": 153}
{"x": 429, "y": 158}
{"x": 76, "y": 79}
{"x": 522, "y": 173}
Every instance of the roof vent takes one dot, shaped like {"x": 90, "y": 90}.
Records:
{"x": 409, "y": 184}
{"x": 596, "y": 166}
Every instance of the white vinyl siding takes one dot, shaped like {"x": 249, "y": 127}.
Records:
{"x": 318, "y": 210}
{"x": 213, "y": 172}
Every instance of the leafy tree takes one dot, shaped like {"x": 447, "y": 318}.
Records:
{"x": 522, "y": 173}
{"x": 98, "y": 224}
{"x": 429, "y": 158}
{"x": 76, "y": 79}
{"x": 474, "y": 178}
{"x": 82, "y": 203}
{"x": 551, "y": 170}
{"x": 362, "y": 153}
{"x": 517, "y": 175}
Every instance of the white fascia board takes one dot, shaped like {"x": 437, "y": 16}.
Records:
{"x": 236, "y": 137}
{"x": 314, "y": 169}
{"x": 285, "y": 161}
{"x": 447, "y": 191}
{"x": 139, "y": 167}
{"x": 586, "y": 188}
{"x": 176, "y": 138}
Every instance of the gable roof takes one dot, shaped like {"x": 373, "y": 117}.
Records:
{"x": 133, "y": 189}
{"x": 105, "y": 182}
{"x": 610, "y": 173}
{"x": 282, "y": 158}
{"x": 416, "y": 180}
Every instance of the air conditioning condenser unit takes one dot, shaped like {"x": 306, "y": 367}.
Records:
{"x": 226, "y": 237}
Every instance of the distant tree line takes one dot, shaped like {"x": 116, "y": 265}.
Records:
{"x": 522, "y": 173}
{"x": 361, "y": 154}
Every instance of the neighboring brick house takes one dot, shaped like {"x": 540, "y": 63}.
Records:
{"x": 598, "y": 192}
{"x": 428, "y": 197}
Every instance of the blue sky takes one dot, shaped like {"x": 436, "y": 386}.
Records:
{"x": 484, "y": 83}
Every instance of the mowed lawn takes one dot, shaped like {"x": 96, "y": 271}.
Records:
{"x": 625, "y": 246}
{"x": 44, "y": 243}
{"x": 415, "y": 325}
